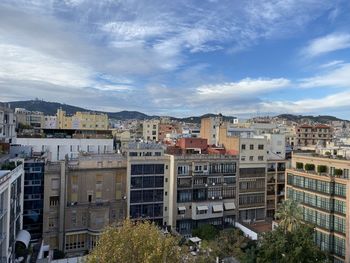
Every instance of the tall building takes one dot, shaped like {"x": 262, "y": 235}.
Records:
{"x": 311, "y": 135}
{"x": 33, "y": 201}
{"x": 209, "y": 129}
{"x": 321, "y": 186}
{"x": 252, "y": 178}
{"x": 150, "y": 130}
{"x": 202, "y": 191}
{"x": 7, "y": 124}
{"x": 148, "y": 183}
{"x": 81, "y": 198}
{"x": 11, "y": 210}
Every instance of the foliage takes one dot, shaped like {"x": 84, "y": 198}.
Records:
{"x": 136, "y": 242}
{"x": 309, "y": 167}
{"x": 8, "y": 166}
{"x": 299, "y": 165}
{"x": 328, "y": 153}
{"x": 321, "y": 168}
{"x": 338, "y": 172}
{"x": 206, "y": 232}
{"x": 289, "y": 215}
{"x": 296, "y": 246}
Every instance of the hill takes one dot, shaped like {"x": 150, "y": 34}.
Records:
{"x": 319, "y": 118}
{"x": 50, "y": 108}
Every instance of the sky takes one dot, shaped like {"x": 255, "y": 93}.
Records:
{"x": 180, "y": 58}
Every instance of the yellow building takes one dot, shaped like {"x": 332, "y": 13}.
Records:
{"x": 82, "y": 120}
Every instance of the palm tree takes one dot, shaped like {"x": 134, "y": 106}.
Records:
{"x": 289, "y": 215}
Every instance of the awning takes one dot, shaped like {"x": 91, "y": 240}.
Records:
{"x": 23, "y": 237}
{"x": 195, "y": 239}
{"x": 182, "y": 208}
{"x": 230, "y": 206}
{"x": 202, "y": 207}
{"x": 217, "y": 208}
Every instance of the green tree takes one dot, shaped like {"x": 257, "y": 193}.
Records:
{"x": 206, "y": 232}
{"x": 136, "y": 242}
{"x": 295, "y": 246}
{"x": 289, "y": 215}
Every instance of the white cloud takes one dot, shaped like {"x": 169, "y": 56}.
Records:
{"x": 243, "y": 88}
{"x": 337, "y": 78}
{"x": 326, "y": 44}
{"x": 21, "y": 63}
{"x": 332, "y": 64}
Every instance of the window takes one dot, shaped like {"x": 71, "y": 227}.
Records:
{"x": 261, "y": 147}
{"x": 242, "y": 158}
{"x": 251, "y": 147}
{"x": 243, "y": 147}
{"x": 260, "y": 158}
{"x": 251, "y": 158}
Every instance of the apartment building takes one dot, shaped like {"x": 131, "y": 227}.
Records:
{"x": 81, "y": 198}
{"x": 148, "y": 180}
{"x": 82, "y": 121}
{"x": 321, "y": 186}
{"x": 33, "y": 200}
{"x": 252, "y": 178}
{"x": 209, "y": 129}
{"x": 311, "y": 135}
{"x": 203, "y": 191}
{"x": 11, "y": 210}
{"x": 150, "y": 130}
{"x": 34, "y": 119}
{"x": 59, "y": 149}
{"x": 7, "y": 124}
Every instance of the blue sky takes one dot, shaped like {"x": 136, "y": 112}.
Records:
{"x": 181, "y": 57}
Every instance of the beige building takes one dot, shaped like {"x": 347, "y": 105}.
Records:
{"x": 311, "y": 135}
{"x": 33, "y": 119}
{"x": 150, "y": 130}
{"x": 321, "y": 186}
{"x": 203, "y": 191}
{"x": 82, "y": 121}
{"x": 81, "y": 198}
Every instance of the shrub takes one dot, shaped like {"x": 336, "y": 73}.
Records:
{"x": 338, "y": 172}
{"x": 299, "y": 165}
{"x": 321, "y": 169}
{"x": 309, "y": 167}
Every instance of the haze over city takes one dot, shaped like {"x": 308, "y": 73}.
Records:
{"x": 179, "y": 58}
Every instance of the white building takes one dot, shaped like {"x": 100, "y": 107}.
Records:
{"x": 7, "y": 124}
{"x": 50, "y": 122}
{"x": 57, "y": 149}
{"x": 11, "y": 211}
{"x": 276, "y": 146}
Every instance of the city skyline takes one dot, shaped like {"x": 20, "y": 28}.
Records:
{"x": 180, "y": 59}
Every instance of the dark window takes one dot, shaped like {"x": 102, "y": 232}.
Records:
{"x": 136, "y": 197}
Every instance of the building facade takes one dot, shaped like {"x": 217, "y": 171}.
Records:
{"x": 203, "y": 191}
{"x": 150, "y": 130}
{"x": 59, "y": 149}
{"x": 311, "y": 135}
{"x": 82, "y": 121}
{"x": 148, "y": 183}
{"x": 34, "y": 119}
{"x": 321, "y": 186}
{"x": 33, "y": 201}
{"x": 7, "y": 124}
{"x": 11, "y": 210}
{"x": 81, "y": 198}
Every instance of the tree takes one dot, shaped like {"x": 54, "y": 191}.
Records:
{"x": 291, "y": 241}
{"x": 136, "y": 242}
{"x": 295, "y": 246}
{"x": 289, "y": 215}
{"x": 206, "y": 232}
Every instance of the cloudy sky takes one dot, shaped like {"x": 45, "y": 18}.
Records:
{"x": 179, "y": 57}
